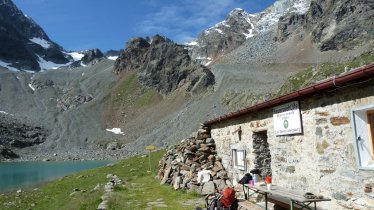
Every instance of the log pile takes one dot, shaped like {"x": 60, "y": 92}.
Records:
{"x": 181, "y": 165}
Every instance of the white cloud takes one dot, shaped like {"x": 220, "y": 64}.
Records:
{"x": 183, "y": 20}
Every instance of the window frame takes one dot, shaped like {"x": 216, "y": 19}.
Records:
{"x": 366, "y": 111}
{"x": 236, "y": 163}
{"x": 370, "y": 116}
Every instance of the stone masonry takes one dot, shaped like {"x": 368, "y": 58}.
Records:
{"x": 321, "y": 160}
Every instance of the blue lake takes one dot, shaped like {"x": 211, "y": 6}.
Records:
{"x": 17, "y": 175}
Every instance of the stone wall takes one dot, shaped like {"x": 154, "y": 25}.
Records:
{"x": 322, "y": 160}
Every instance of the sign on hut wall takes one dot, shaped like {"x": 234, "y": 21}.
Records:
{"x": 287, "y": 119}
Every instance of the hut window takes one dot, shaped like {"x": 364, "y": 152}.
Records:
{"x": 238, "y": 158}
{"x": 363, "y": 124}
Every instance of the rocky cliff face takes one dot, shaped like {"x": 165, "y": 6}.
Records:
{"x": 164, "y": 65}
{"x": 24, "y": 44}
{"x": 223, "y": 37}
{"x": 14, "y": 134}
{"x": 333, "y": 24}
{"x": 238, "y": 27}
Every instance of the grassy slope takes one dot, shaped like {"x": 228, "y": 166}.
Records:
{"x": 129, "y": 93}
{"x": 323, "y": 71}
{"x": 235, "y": 100}
{"x": 140, "y": 188}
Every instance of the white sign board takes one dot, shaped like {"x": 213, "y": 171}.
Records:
{"x": 287, "y": 119}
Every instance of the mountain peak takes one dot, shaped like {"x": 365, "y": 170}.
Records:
{"x": 223, "y": 37}
{"x": 24, "y": 44}
{"x": 271, "y": 15}
{"x": 163, "y": 65}
{"x": 236, "y": 11}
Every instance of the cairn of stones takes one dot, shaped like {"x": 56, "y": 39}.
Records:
{"x": 180, "y": 166}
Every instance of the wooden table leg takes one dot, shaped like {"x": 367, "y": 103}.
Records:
{"x": 315, "y": 205}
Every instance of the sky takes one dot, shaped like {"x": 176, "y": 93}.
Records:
{"x": 108, "y": 24}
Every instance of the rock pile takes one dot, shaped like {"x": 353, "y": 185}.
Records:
{"x": 183, "y": 165}
{"x": 67, "y": 102}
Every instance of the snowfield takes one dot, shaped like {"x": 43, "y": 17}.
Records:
{"x": 116, "y": 131}
{"x": 42, "y": 42}
{"x": 76, "y": 55}
{"x": 112, "y": 57}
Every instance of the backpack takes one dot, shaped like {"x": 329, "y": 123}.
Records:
{"x": 228, "y": 197}
{"x": 246, "y": 178}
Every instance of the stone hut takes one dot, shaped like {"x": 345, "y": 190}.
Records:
{"x": 318, "y": 139}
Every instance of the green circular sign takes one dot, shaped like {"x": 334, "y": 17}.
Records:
{"x": 285, "y": 123}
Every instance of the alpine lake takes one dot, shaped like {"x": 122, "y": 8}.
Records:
{"x": 17, "y": 175}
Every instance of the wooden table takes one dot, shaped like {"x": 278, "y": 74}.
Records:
{"x": 292, "y": 196}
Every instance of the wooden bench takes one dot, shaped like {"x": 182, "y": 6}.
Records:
{"x": 247, "y": 205}
{"x": 282, "y": 202}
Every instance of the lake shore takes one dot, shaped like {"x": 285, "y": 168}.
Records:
{"x": 73, "y": 154}
{"x": 28, "y": 175}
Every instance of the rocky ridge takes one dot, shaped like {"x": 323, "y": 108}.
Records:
{"x": 182, "y": 165}
{"x": 163, "y": 65}
{"x": 87, "y": 57}
{"x": 334, "y": 25}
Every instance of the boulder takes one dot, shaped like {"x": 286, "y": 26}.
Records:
{"x": 112, "y": 146}
{"x": 177, "y": 182}
{"x": 220, "y": 184}
{"x": 208, "y": 188}
{"x": 166, "y": 175}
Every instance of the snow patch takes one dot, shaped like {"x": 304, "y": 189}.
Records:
{"x": 249, "y": 34}
{"x": 32, "y": 88}
{"x": 7, "y": 65}
{"x": 42, "y": 42}
{"x": 302, "y": 7}
{"x": 82, "y": 64}
{"x": 201, "y": 58}
{"x": 207, "y": 63}
{"x": 223, "y": 23}
{"x": 278, "y": 9}
{"x": 250, "y": 31}
{"x": 219, "y": 30}
{"x": 209, "y": 59}
{"x": 2, "y": 112}
{"x": 48, "y": 64}
{"x": 76, "y": 55}
{"x": 116, "y": 131}
{"x": 192, "y": 43}
{"x": 112, "y": 57}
